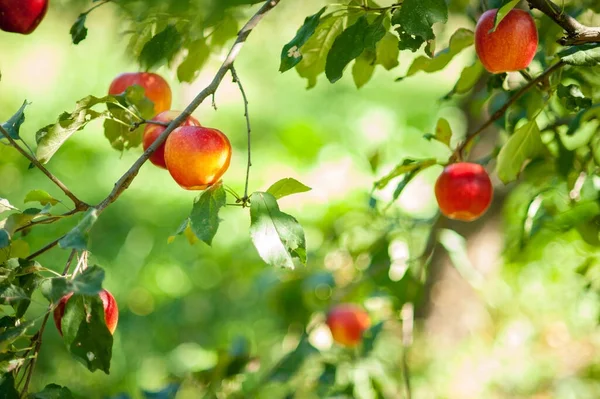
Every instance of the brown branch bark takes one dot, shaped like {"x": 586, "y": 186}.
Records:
{"x": 577, "y": 33}
{"x": 125, "y": 180}
{"x": 79, "y": 205}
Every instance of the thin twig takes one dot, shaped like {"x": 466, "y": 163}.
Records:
{"x": 458, "y": 154}
{"x": 237, "y": 80}
{"x": 45, "y": 249}
{"x": 48, "y": 220}
{"x": 576, "y": 32}
{"x": 40, "y": 333}
{"x": 149, "y": 122}
{"x": 79, "y": 205}
{"x": 125, "y": 180}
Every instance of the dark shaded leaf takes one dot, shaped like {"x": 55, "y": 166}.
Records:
{"x": 291, "y": 54}
{"x": 13, "y": 125}
{"x": 78, "y": 30}
{"x": 77, "y": 238}
{"x": 204, "y": 219}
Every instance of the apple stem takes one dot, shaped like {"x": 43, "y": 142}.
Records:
{"x": 237, "y": 80}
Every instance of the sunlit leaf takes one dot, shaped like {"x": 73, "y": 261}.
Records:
{"x": 287, "y": 186}
{"x": 40, "y": 196}
{"x": 524, "y": 144}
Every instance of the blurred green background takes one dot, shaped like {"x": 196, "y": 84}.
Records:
{"x": 524, "y": 329}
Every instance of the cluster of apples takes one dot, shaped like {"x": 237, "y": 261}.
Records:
{"x": 195, "y": 156}
{"x": 464, "y": 190}
{"x": 22, "y": 16}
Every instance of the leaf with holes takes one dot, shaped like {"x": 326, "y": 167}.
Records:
{"x": 291, "y": 55}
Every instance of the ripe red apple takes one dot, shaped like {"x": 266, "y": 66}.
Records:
{"x": 156, "y": 88}
{"x": 111, "y": 311}
{"x": 464, "y": 191}
{"x": 152, "y": 131}
{"x": 347, "y": 323}
{"x": 22, "y": 16}
{"x": 512, "y": 46}
{"x": 197, "y": 156}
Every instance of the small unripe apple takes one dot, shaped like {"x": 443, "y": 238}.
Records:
{"x": 197, "y": 156}
{"x": 155, "y": 87}
{"x": 512, "y": 46}
{"x": 152, "y": 131}
{"x": 22, "y": 16}
{"x": 111, "y": 311}
{"x": 347, "y": 323}
{"x": 464, "y": 191}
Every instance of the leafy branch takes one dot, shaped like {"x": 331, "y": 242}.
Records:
{"x": 79, "y": 204}
{"x": 459, "y": 153}
{"x": 125, "y": 180}
{"x": 577, "y": 33}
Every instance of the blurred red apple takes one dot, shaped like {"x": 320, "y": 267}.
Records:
{"x": 347, "y": 323}
{"x": 152, "y": 131}
{"x": 22, "y": 16}
{"x": 197, "y": 156}
{"x": 156, "y": 88}
{"x": 464, "y": 191}
{"x": 111, "y": 311}
{"x": 512, "y": 46}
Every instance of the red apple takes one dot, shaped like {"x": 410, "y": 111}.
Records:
{"x": 152, "y": 131}
{"x": 156, "y": 88}
{"x": 197, "y": 156}
{"x": 22, "y": 16}
{"x": 464, "y": 191}
{"x": 347, "y": 323}
{"x": 512, "y": 46}
{"x": 111, "y": 311}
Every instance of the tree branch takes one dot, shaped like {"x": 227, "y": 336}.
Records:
{"x": 458, "y": 154}
{"x": 79, "y": 205}
{"x": 125, "y": 180}
{"x": 577, "y": 33}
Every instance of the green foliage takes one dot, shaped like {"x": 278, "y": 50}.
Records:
{"x": 277, "y": 236}
{"x": 204, "y": 219}
{"x": 85, "y": 332}
{"x": 53, "y": 391}
{"x": 89, "y": 282}
{"x": 290, "y": 55}
{"x": 77, "y": 238}
{"x": 13, "y": 125}
{"x": 285, "y": 187}
{"x": 524, "y": 144}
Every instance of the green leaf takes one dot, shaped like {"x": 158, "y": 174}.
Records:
{"x": 291, "y": 54}
{"x": 13, "y": 125}
{"x": 351, "y": 43}
{"x": 327, "y": 380}
{"x": 524, "y": 144}
{"x": 7, "y": 387}
{"x": 11, "y": 334}
{"x": 18, "y": 220}
{"x": 204, "y": 219}
{"x": 277, "y": 236}
{"x": 52, "y": 391}
{"x": 572, "y": 97}
{"x": 291, "y": 363}
{"x": 6, "y": 206}
{"x": 85, "y": 332}
{"x": 4, "y": 239}
{"x": 77, "y": 238}
{"x": 443, "y": 131}
{"x": 456, "y": 245}
{"x": 369, "y": 338}
{"x": 503, "y": 12}
{"x": 197, "y": 56}
{"x": 460, "y": 40}
{"x": 584, "y": 55}
{"x": 89, "y": 282}
{"x": 418, "y": 16}
{"x": 314, "y": 52}
{"x": 78, "y": 31}
{"x": 582, "y": 117}
{"x": 50, "y": 138}
{"x": 287, "y": 186}
{"x": 169, "y": 392}
{"x": 468, "y": 78}
{"x": 363, "y": 68}
{"x": 11, "y": 294}
{"x": 117, "y": 129}
{"x": 388, "y": 52}
{"x": 162, "y": 48}
{"x": 406, "y": 166}
{"x": 186, "y": 229}
{"x": 40, "y": 196}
